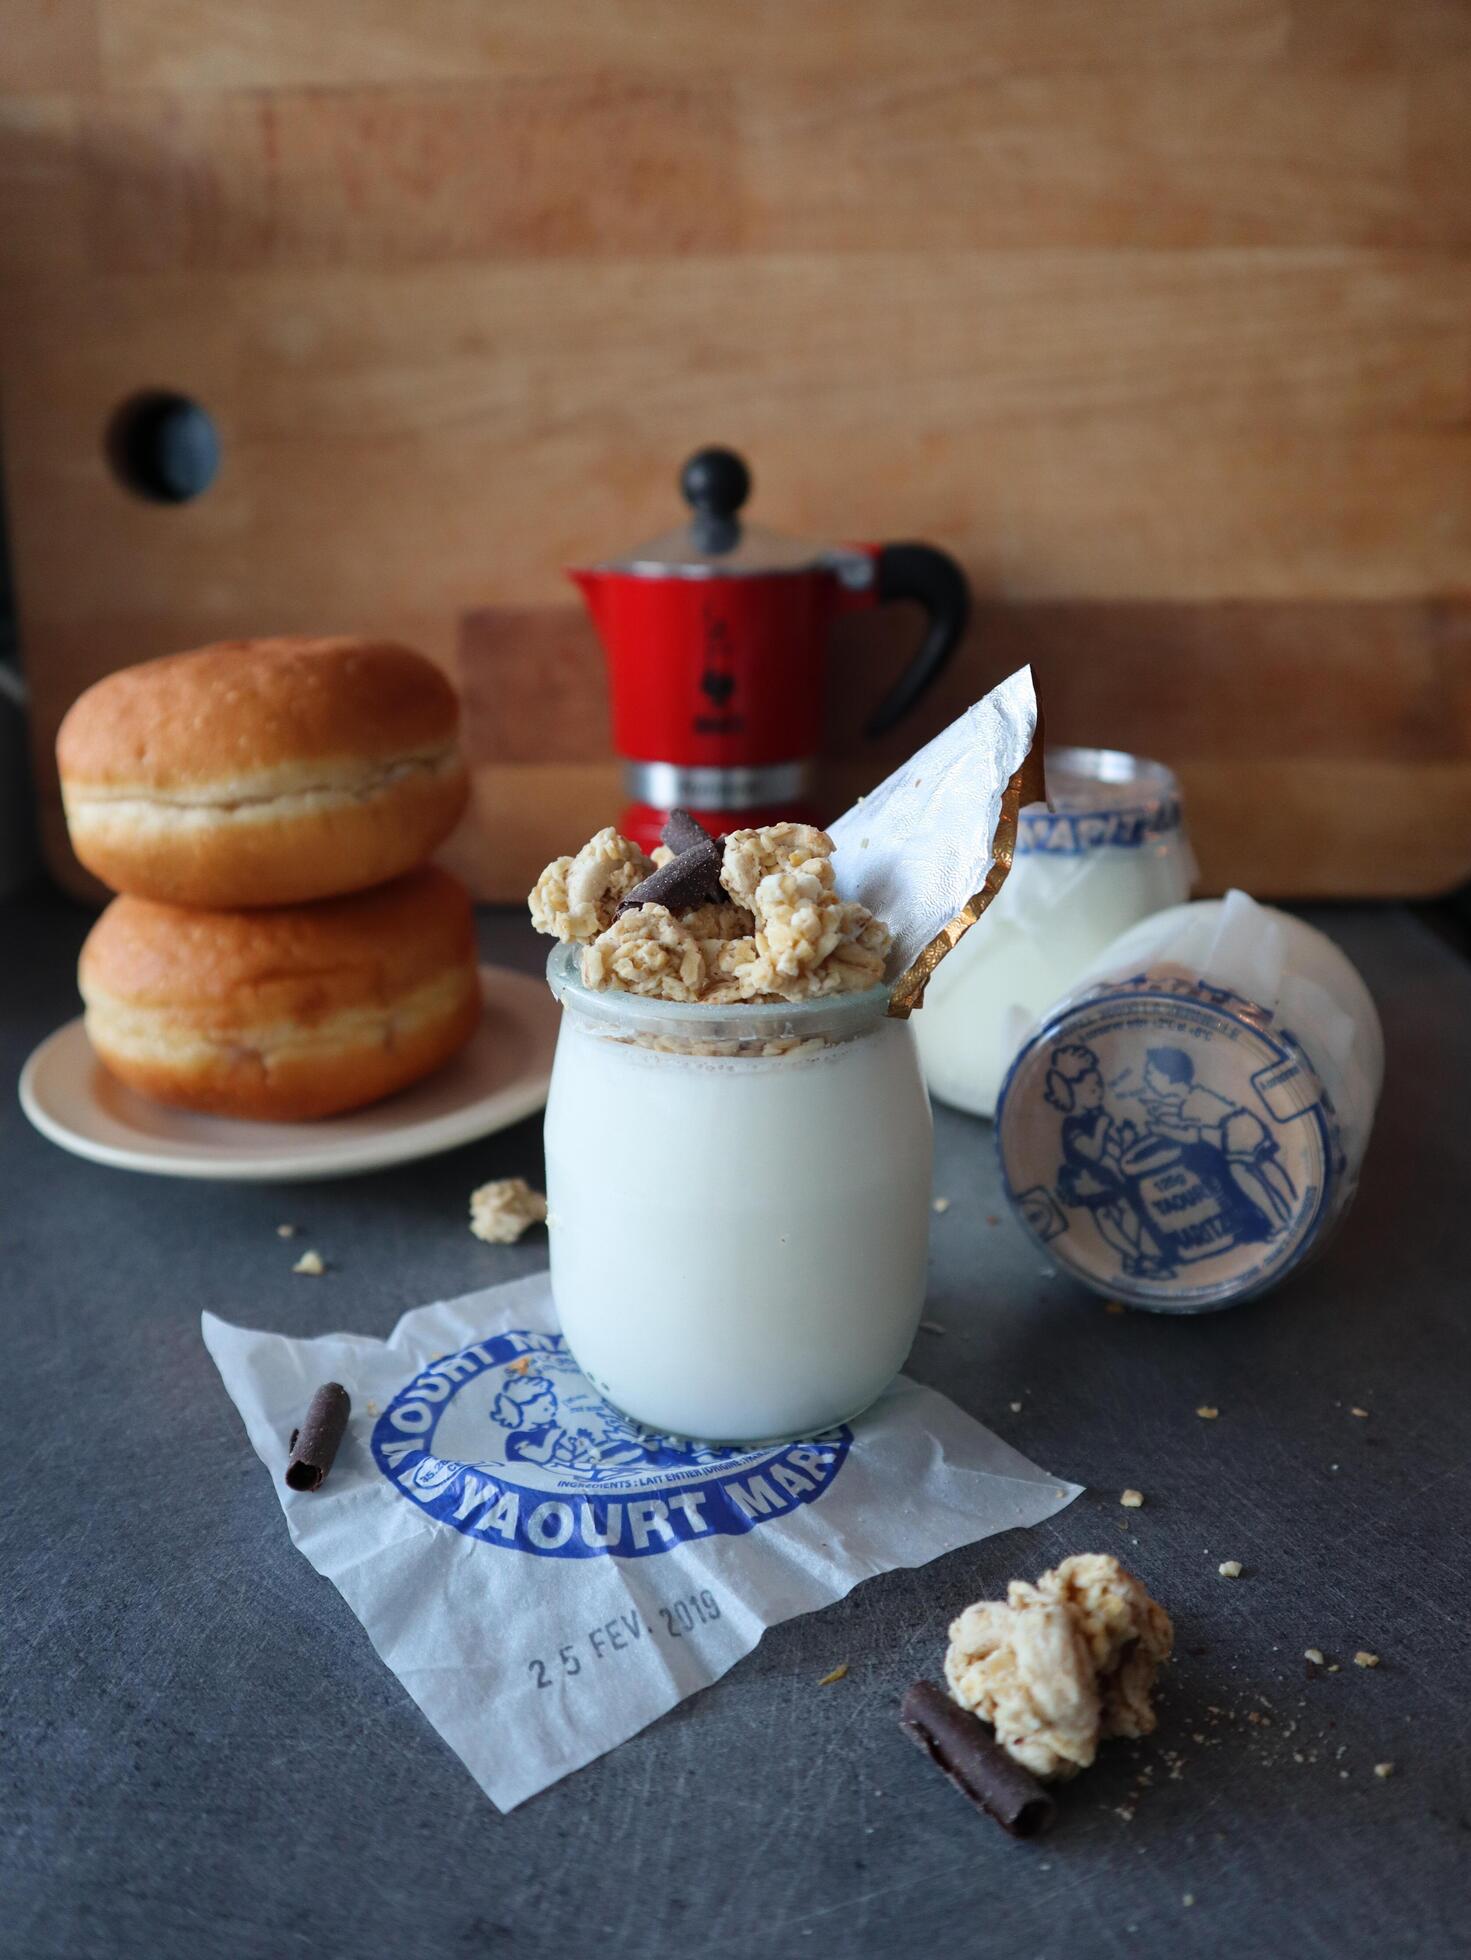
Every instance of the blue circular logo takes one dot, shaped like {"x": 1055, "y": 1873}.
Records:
{"x": 1169, "y": 1143}
{"x": 509, "y": 1443}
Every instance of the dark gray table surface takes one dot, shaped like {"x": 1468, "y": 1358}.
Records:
{"x": 203, "y": 1757}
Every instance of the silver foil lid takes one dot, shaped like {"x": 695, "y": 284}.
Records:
{"x": 1164, "y": 1142}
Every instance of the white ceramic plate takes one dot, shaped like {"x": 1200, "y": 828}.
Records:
{"x": 501, "y": 1076}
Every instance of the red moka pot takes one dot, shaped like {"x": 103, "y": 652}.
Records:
{"x": 716, "y": 636}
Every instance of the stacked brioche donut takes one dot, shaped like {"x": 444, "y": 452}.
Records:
{"x": 280, "y": 949}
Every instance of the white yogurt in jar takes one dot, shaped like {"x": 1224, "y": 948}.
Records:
{"x": 1188, "y": 1125}
{"x": 1107, "y": 850}
{"x": 738, "y": 1241}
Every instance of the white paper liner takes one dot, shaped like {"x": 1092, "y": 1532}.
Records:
{"x": 526, "y": 1662}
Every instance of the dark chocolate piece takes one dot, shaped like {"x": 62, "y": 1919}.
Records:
{"x": 963, "y": 1746}
{"x": 314, "y": 1445}
{"x": 692, "y": 878}
{"x": 682, "y": 832}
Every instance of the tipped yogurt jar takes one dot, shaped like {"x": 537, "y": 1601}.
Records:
{"x": 738, "y": 1205}
{"x": 1106, "y": 850}
{"x": 1188, "y": 1125}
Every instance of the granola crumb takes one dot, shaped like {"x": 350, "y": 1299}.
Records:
{"x": 1229, "y": 1568}
{"x": 1362, "y": 1414}
{"x": 931, "y": 1327}
{"x": 1207, "y": 1413}
{"x": 503, "y": 1209}
{"x": 312, "y": 1264}
{"x": 836, "y": 1674}
{"x": 940, "y": 1205}
{"x": 1313, "y": 1654}
{"x": 285, "y": 1231}
{"x": 372, "y": 1408}
{"x": 1384, "y": 1769}
{"x": 1333, "y": 1667}
{"x": 1131, "y": 1499}
{"x": 1361, "y": 1659}
{"x": 1188, "y": 1900}
{"x": 1015, "y": 1407}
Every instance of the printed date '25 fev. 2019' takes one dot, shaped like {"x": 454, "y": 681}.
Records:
{"x": 618, "y": 1635}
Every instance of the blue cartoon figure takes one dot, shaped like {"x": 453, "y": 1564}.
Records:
{"x": 538, "y": 1415}
{"x": 1094, "y": 1147}
{"x": 527, "y": 1407}
{"x": 1231, "y": 1141}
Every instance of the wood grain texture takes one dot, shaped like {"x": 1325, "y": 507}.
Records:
{"x": 1159, "y": 315}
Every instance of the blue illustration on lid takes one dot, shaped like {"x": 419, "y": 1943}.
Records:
{"x": 509, "y": 1443}
{"x": 1166, "y": 1142}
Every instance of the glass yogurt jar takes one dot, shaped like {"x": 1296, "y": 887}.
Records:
{"x": 1106, "y": 850}
{"x": 1188, "y": 1125}
{"x": 738, "y": 1204}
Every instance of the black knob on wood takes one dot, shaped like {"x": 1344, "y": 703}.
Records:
{"x": 715, "y": 482}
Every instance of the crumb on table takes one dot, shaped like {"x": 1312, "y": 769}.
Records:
{"x": 505, "y": 1208}
{"x": 1131, "y": 1499}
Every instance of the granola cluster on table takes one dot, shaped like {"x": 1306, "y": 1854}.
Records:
{"x": 752, "y": 917}
{"x": 1058, "y": 1667}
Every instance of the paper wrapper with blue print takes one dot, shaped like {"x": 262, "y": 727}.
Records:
{"x": 546, "y": 1577}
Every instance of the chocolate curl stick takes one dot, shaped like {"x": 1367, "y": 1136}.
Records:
{"x": 682, "y": 832}
{"x": 961, "y": 1745}
{"x": 1027, "y": 786}
{"x": 314, "y": 1446}
{"x": 692, "y": 878}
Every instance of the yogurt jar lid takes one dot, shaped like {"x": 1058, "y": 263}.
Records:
{"x": 1166, "y": 1143}
{"x": 1099, "y": 799}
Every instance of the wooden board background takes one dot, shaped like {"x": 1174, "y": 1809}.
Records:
{"x": 1157, "y": 313}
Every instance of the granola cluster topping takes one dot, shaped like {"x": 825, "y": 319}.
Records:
{"x": 577, "y": 897}
{"x": 1058, "y": 1667}
{"x": 781, "y": 932}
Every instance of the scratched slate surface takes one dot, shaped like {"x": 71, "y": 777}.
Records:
{"x": 203, "y": 1757}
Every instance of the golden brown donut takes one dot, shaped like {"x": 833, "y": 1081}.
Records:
{"x": 262, "y": 772}
{"x": 284, "y": 1013}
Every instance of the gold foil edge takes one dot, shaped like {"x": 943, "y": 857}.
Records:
{"x": 1028, "y": 785}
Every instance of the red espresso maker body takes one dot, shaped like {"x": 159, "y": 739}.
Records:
{"x": 716, "y": 637}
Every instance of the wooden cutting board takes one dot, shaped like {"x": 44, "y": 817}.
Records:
{"x": 1159, "y": 316}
